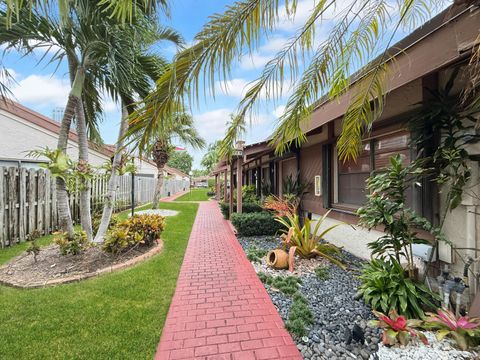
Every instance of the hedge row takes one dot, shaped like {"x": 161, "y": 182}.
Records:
{"x": 255, "y": 224}
{"x": 247, "y": 207}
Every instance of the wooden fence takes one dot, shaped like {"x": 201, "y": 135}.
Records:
{"x": 28, "y": 200}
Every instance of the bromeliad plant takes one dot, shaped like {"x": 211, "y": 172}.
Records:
{"x": 305, "y": 240}
{"x": 397, "y": 329}
{"x": 464, "y": 330}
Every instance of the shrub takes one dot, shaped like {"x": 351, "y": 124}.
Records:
{"x": 287, "y": 285}
{"x": 73, "y": 246}
{"x": 322, "y": 272}
{"x": 135, "y": 231}
{"x": 255, "y": 224}
{"x": 299, "y": 316}
{"x": 386, "y": 286}
{"x": 254, "y": 254}
{"x": 386, "y": 207}
{"x": 246, "y": 208}
{"x": 211, "y": 193}
{"x": 33, "y": 247}
{"x": 249, "y": 194}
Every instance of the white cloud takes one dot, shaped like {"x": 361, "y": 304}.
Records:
{"x": 212, "y": 124}
{"x": 254, "y": 61}
{"x": 44, "y": 90}
{"x": 235, "y": 87}
{"x": 303, "y": 11}
{"x": 279, "y": 110}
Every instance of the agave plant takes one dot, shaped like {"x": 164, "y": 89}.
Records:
{"x": 464, "y": 330}
{"x": 304, "y": 240}
{"x": 397, "y": 328}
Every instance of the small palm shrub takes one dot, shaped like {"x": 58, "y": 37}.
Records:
{"x": 135, "y": 231}
{"x": 255, "y": 224}
{"x": 73, "y": 246}
{"x": 386, "y": 286}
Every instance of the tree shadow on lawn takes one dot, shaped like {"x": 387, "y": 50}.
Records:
{"x": 116, "y": 316}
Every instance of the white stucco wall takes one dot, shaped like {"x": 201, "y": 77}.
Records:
{"x": 18, "y": 137}
{"x": 354, "y": 239}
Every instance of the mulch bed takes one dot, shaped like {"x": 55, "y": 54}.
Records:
{"x": 52, "y": 268}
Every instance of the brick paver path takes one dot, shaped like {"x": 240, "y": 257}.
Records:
{"x": 220, "y": 309}
{"x": 173, "y": 197}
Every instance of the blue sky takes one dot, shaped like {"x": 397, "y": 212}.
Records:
{"x": 44, "y": 88}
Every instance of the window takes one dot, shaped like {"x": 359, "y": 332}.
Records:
{"x": 352, "y": 175}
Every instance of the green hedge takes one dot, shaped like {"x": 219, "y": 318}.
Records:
{"x": 246, "y": 208}
{"x": 255, "y": 224}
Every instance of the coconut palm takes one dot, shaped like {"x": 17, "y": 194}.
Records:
{"x": 179, "y": 126}
{"x": 363, "y": 30}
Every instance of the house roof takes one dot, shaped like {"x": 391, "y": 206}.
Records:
{"x": 430, "y": 56}
{"x": 46, "y": 123}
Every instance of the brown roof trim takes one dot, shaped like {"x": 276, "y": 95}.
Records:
{"x": 48, "y": 124}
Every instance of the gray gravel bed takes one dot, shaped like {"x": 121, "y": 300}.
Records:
{"x": 333, "y": 304}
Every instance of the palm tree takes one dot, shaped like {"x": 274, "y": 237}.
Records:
{"x": 90, "y": 41}
{"x": 364, "y": 29}
{"x": 178, "y": 126}
{"x": 139, "y": 80}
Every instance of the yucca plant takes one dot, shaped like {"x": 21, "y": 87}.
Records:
{"x": 397, "y": 328}
{"x": 464, "y": 330}
{"x": 305, "y": 240}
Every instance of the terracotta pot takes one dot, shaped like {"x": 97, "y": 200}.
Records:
{"x": 277, "y": 259}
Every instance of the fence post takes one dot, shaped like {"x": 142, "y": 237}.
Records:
{"x": 2, "y": 207}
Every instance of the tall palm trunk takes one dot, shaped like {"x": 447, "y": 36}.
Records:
{"x": 112, "y": 184}
{"x": 161, "y": 155}
{"x": 64, "y": 215}
{"x": 85, "y": 186}
{"x": 158, "y": 188}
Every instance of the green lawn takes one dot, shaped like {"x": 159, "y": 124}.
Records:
{"x": 116, "y": 316}
{"x": 194, "y": 195}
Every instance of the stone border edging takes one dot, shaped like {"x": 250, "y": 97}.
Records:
{"x": 107, "y": 270}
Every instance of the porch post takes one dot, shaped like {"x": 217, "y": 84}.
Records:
{"x": 230, "y": 201}
{"x": 280, "y": 178}
{"x": 217, "y": 188}
{"x": 239, "y": 153}
{"x": 225, "y": 181}
{"x": 239, "y": 184}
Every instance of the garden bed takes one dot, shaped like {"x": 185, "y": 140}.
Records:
{"x": 52, "y": 268}
{"x": 331, "y": 300}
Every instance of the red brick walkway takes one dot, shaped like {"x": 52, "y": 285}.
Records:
{"x": 220, "y": 309}
{"x": 173, "y": 197}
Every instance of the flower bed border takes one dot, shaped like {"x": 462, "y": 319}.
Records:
{"x": 158, "y": 248}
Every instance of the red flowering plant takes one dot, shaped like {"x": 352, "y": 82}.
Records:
{"x": 397, "y": 328}
{"x": 464, "y": 330}
{"x": 282, "y": 207}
